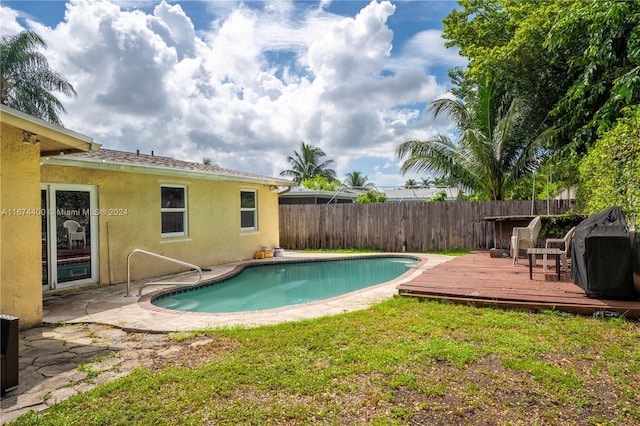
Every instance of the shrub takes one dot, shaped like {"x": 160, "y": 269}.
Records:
{"x": 610, "y": 172}
{"x": 321, "y": 183}
{"x": 440, "y": 196}
{"x": 371, "y": 197}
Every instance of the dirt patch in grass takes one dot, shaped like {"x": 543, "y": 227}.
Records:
{"x": 437, "y": 393}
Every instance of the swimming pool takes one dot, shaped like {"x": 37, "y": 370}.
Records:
{"x": 275, "y": 285}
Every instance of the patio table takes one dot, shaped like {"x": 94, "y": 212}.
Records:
{"x": 531, "y": 252}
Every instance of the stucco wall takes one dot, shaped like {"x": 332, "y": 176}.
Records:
{"x": 214, "y": 234}
{"x": 20, "y": 229}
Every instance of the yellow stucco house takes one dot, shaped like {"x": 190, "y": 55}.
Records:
{"x": 72, "y": 212}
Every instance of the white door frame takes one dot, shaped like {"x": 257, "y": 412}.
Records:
{"x": 52, "y": 254}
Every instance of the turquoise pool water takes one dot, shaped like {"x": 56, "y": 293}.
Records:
{"x": 283, "y": 284}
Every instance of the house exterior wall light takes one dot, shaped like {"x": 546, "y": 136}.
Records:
{"x": 29, "y": 138}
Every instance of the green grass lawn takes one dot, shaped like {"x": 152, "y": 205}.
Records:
{"x": 400, "y": 362}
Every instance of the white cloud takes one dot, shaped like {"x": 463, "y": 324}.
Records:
{"x": 9, "y": 19}
{"x": 151, "y": 81}
{"x": 180, "y": 30}
{"x": 426, "y": 49}
{"x": 353, "y": 48}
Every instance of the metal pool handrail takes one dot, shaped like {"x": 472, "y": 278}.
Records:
{"x": 179, "y": 262}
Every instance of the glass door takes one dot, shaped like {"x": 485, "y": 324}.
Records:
{"x": 70, "y": 240}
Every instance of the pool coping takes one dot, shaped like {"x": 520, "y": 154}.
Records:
{"x": 109, "y": 306}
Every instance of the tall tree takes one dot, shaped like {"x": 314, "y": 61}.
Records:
{"x": 26, "y": 82}
{"x": 411, "y": 183}
{"x": 505, "y": 39}
{"x": 426, "y": 183}
{"x": 356, "y": 179}
{"x": 308, "y": 163}
{"x": 492, "y": 152}
{"x": 574, "y": 62}
{"x": 600, "y": 40}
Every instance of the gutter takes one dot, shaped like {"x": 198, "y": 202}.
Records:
{"x": 288, "y": 189}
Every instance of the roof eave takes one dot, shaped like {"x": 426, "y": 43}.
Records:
{"x": 53, "y": 138}
{"x": 157, "y": 170}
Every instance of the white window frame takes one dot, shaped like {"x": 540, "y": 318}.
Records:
{"x": 249, "y": 209}
{"x": 183, "y": 210}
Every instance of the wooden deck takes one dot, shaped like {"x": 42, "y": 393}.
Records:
{"x": 481, "y": 280}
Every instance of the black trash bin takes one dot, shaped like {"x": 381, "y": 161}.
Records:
{"x": 601, "y": 256}
{"x": 9, "y": 351}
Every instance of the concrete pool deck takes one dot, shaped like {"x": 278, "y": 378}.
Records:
{"x": 109, "y": 306}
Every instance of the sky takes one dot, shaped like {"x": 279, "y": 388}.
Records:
{"x": 245, "y": 83}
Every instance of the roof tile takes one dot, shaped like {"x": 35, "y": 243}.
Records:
{"x": 139, "y": 159}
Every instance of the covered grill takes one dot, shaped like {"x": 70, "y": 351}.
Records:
{"x": 601, "y": 256}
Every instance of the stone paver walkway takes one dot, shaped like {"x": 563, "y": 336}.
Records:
{"x": 56, "y": 363}
{"x": 99, "y": 335}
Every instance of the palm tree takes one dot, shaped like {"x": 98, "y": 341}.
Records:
{"x": 307, "y": 164}
{"x": 441, "y": 182}
{"x": 357, "y": 180}
{"x": 26, "y": 81}
{"x": 426, "y": 183}
{"x": 411, "y": 183}
{"x": 491, "y": 154}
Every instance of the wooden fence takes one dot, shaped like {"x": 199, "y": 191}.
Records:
{"x": 406, "y": 226}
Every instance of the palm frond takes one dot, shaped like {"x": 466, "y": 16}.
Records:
{"x": 492, "y": 150}
{"x": 26, "y": 81}
{"x": 453, "y": 109}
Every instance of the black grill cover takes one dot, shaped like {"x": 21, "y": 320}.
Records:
{"x": 601, "y": 257}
